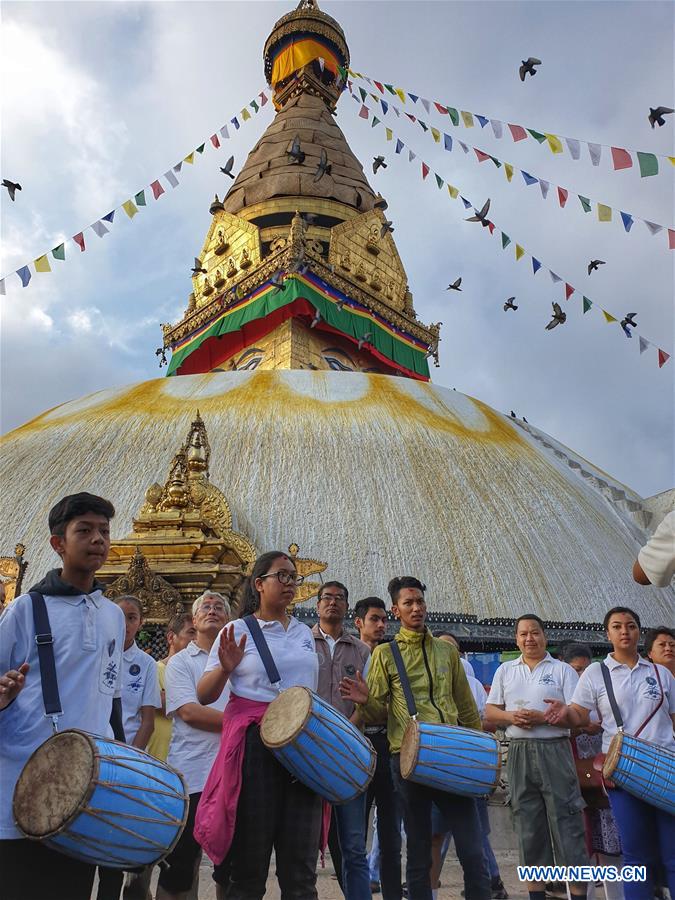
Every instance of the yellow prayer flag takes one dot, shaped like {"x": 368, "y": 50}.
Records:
{"x": 389, "y": 133}
{"x": 554, "y": 143}
{"x": 400, "y": 94}
{"x": 519, "y": 251}
{"x": 189, "y": 158}
{"x": 42, "y": 264}
{"x": 672, "y": 159}
{"x": 129, "y": 208}
{"x": 454, "y": 193}
{"x": 436, "y": 133}
{"x": 245, "y": 114}
{"x": 604, "y": 213}
{"x": 508, "y": 169}
{"x": 467, "y": 118}
{"x": 608, "y": 316}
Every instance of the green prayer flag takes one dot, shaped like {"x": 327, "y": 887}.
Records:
{"x": 254, "y": 105}
{"x": 585, "y": 202}
{"x": 363, "y": 93}
{"x": 454, "y": 115}
{"x": 496, "y": 161}
{"x": 390, "y": 88}
{"x": 375, "y": 122}
{"x": 587, "y": 304}
{"x": 200, "y": 149}
{"x": 506, "y": 240}
{"x": 343, "y": 72}
{"x": 59, "y": 252}
{"x": 140, "y": 198}
{"x": 439, "y": 180}
{"x": 649, "y": 164}
{"x": 537, "y": 135}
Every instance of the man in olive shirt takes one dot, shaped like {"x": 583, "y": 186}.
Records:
{"x": 442, "y": 695}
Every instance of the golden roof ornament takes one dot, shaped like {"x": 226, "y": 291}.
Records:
{"x": 305, "y": 567}
{"x": 159, "y": 599}
{"x": 12, "y": 570}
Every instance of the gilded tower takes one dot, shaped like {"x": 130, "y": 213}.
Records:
{"x": 301, "y": 269}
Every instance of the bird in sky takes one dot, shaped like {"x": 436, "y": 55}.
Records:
{"x": 527, "y": 67}
{"x": 315, "y": 321}
{"x": 198, "y": 269}
{"x": 510, "y": 304}
{"x": 277, "y": 280}
{"x": 324, "y": 167}
{"x": 296, "y": 154}
{"x": 455, "y": 286}
{"x": 378, "y": 163}
{"x": 227, "y": 168}
{"x": 387, "y": 226}
{"x": 160, "y": 351}
{"x": 365, "y": 339}
{"x": 627, "y": 323}
{"x": 594, "y": 265}
{"x": 513, "y": 415}
{"x": 380, "y": 203}
{"x": 559, "y": 317}
{"x": 482, "y": 215}
{"x": 656, "y": 115}
{"x": 12, "y": 187}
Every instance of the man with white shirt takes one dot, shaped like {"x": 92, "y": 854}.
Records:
{"x": 195, "y": 738}
{"x": 656, "y": 560}
{"x": 544, "y": 791}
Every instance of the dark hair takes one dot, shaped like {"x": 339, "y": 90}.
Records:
{"x": 249, "y": 598}
{"x": 397, "y": 584}
{"x": 526, "y": 617}
{"x": 75, "y": 505}
{"x": 178, "y": 622}
{"x": 620, "y": 609}
{"x": 129, "y": 598}
{"x": 653, "y": 633}
{"x": 572, "y": 651}
{"x": 363, "y": 606}
{"x": 335, "y": 584}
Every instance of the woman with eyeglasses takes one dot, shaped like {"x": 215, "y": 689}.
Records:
{"x": 251, "y": 803}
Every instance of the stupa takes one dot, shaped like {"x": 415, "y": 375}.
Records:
{"x": 301, "y": 348}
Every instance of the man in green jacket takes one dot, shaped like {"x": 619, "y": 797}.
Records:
{"x": 442, "y": 695}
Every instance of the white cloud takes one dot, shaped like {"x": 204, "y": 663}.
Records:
{"x": 41, "y": 319}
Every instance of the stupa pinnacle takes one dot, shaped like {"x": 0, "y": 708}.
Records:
{"x": 301, "y": 271}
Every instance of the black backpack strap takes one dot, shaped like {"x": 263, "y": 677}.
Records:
{"x": 609, "y": 687}
{"x": 45, "y": 648}
{"x": 263, "y": 649}
{"x": 405, "y": 681}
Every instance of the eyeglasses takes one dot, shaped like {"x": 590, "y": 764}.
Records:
{"x": 326, "y": 596}
{"x": 206, "y": 608}
{"x": 285, "y": 577}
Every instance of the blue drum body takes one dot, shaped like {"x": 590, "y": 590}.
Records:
{"x": 450, "y": 758}
{"x": 100, "y": 801}
{"x": 643, "y": 769}
{"x": 318, "y": 745}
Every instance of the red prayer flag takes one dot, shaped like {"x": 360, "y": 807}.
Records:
{"x": 569, "y": 290}
{"x": 363, "y": 112}
{"x": 425, "y": 170}
{"x": 157, "y": 189}
{"x": 671, "y": 238}
{"x": 379, "y": 86}
{"x": 491, "y": 227}
{"x": 263, "y": 98}
{"x": 443, "y": 110}
{"x": 562, "y": 196}
{"x": 481, "y": 156}
{"x": 411, "y": 117}
{"x": 518, "y": 132}
{"x": 663, "y": 358}
{"x": 621, "y": 158}
{"x": 215, "y": 141}
{"x": 79, "y": 240}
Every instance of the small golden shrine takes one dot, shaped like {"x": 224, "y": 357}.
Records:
{"x": 12, "y": 570}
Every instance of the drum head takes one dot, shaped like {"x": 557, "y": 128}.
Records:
{"x": 613, "y": 755}
{"x": 54, "y": 784}
{"x": 286, "y": 717}
{"x": 410, "y": 748}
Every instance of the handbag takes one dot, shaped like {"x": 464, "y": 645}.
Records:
{"x": 590, "y": 780}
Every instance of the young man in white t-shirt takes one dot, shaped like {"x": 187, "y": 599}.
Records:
{"x": 140, "y": 687}
{"x": 88, "y": 634}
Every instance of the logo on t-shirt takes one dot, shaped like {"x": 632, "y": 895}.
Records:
{"x": 109, "y": 675}
{"x": 308, "y": 644}
{"x": 137, "y": 684}
{"x": 134, "y": 669}
{"x": 651, "y": 690}
{"x": 547, "y": 678}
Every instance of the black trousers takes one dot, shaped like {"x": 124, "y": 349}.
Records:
{"x": 29, "y": 870}
{"x": 381, "y": 791}
{"x": 462, "y": 815}
{"x": 274, "y": 811}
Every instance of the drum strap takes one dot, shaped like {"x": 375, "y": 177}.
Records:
{"x": 263, "y": 649}
{"x": 405, "y": 681}
{"x": 615, "y": 707}
{"x": 45, "y": 648}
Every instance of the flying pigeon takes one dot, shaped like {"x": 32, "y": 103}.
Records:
{"x": 365, "y": 339}
{"x": 295, "y": 152}
{"x": 324, "y": 167}
{"x": 559, "y": 317}
{"x": 381, "y": 203}
{"x": 198, "y": 269}
{"x": 510, "y": 304}
{"x": 386, "y": 226}
{"x": 525, "y": 420}
{"x": 627, "y": 323}
{"x": 455, "y": 286}
{"x": 227, "y": 168}
{"x": 12, "y": 187}
{"x": 513, "y": 415}
{"x": 315, "y": 321}
{"x": 656, "y": 115}
{"x": 482, "y": 215}
{"x": 528, "y": 67}
{"x": 594, "y": 264}
{"x": 298, "y": 265}
{"x": 378, "y": 162}
{"x": 277, "y": 280}
{"x": 161, "y": 352}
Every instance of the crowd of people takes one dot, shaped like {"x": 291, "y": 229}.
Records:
{"x": 201, "y": 708}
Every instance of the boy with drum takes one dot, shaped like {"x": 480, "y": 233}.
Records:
{"x": 442, "y": 695}
{"x": 88, "y": 639}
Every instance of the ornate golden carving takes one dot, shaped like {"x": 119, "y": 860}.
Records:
{"x": 160, "y": 600}
{"x": 305, "y": 567}
{"x": 12, "y": 570}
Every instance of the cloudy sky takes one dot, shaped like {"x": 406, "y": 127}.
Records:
{"x": 99, "y": 99}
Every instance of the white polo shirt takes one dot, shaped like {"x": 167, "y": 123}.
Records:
{"x": 516, "y": 687}
{"x": 637, "y": 695}
{"x": 293, "y": 652}
{"x": 192, "y": 750}
{"x": 88, "y": 632}
{"x": 479, "y": 693}
{"x": 140, "y": 687}
{"x": 657, "y": 557}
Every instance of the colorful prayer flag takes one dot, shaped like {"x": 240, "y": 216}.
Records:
{"x": 517, "y": 132}
{"x": 59, "y": 252}
{"x": 385, "y": 106}
{"x": 585, "y": 203}
{"x": 426, "y": 104}
{"x": 447, "y": 141}
{"x": 42, "y": 264}
{"x": 3, "y": 292}
{"x": 536, "y": 265}
{"x": 663, "y": 358}
{"x": 24, "y": 274}
{"x": 439, "y": 181}
{"x": 200, "y": 149}
{"x": 463, "y": 146}
{"x": 649, "y": 164}
{"x": 224, "y": 133}
{"x": 544, "y": 185}
{"x": 215, "y": 140}
{"x": 644, "y": 343}
{"x": 671, "y": 238}
{"x": 400, "y": 94}
{"x": 569, "y": 290}
{"x": 497, "y": 127}
{"x": 178, "y": 166}
{"x": 608, "y": 316}
{"x": 595, "y": 151}
{"x": 436, "y": 134}
{"x": 454, "y": 193}
{"x": 508, "y": 168}
{"x": 79, "y": 240}
{"x": 519, "y": 251}
{"x": 139, "y": 198}
{"x": 586, "y": 304}
{"x": 627, "y": 220}
{"x": 425, "y": 170}
{"x": 653, "y": 227}
{"x": 109, "y": 217}
{"x": 363, "y": 112}
{"x": 235, "y": 122}
{"x": 190, "y": 158}
{"x": 129, "y": 208}
{"x": 506, "y": 240}
{"x": 411, "y": 155}
{"x": 157, "y": 189}
{"x": 399, "y": 145}
{"x": 528, "y": 179}
{"x": 99, "y": 229}
{"x": 604, "y": 213}
{"x": 171, "y": 178}
{"x": 554, "y": 143}
{"x": 467, "y": 118}
{"x": 537, "y": 135}
{"x": 482, "y": 157}
{"x": 574, "y": 146}
{"x": 442, "y": 109}
{"x": 389, "y": 133}
{"x": 263, "y": 98}
{"x": 554, "y": 278}
{"x": 482, "y": 120}
{"x": 562, "y": 197}
{"x": 467, "y": 203}
{"x": 621, "y": 159}
{"x": 454, "y": 115}
{"x": 375, "y": 122}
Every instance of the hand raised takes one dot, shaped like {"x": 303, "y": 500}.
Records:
{"x": 11, "y": 683}
{"x": 230, "y": 653}
{"x": 354, "y": 689}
